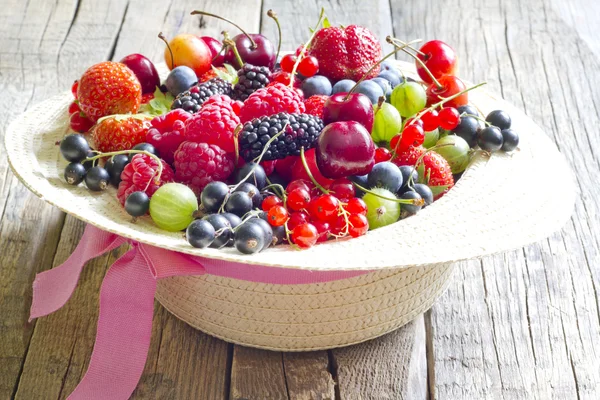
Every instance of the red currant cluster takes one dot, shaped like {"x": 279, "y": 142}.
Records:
{"x": 312, "y": 216}
{"x": 307, "y": 67}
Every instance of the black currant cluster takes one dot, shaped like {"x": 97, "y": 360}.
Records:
{"x": 496, "y": 135}
{"x": 233, "y": 215}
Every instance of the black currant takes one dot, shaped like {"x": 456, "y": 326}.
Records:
{"x": 222, "y": 230}
{"x": 360, "y": 180}
{"x": 137, "y": 204}
{"x": 233, "y": 219}
{"x": 410, "y": 176}
{"x": 467, "y": 129}
{"x": 410, "y": 209}
{"x": 238, "y": 203}
{"x": 385, "y": 175}
{"x": 510, "y": 139}
{"x": 424, "y": 192}
{"x": 97, "y": 179}
{"x": 144, "y": 147}
{"x": 213, "y": 196}
{"x": 258, "y": 177}
{"x": 490, "y": 139}
{"x": 279, "y": 235}
{"x": 74, "y": 147}
{"x": 74, "y": 173}
{"x": 200, "y": 233}
{"x": 499, "y": 118}
{"x": 252, "y": 192}
{"x": 115, "y": 166}
{"x": 266, "y": 228}
{"x": 468, "y": 109}
{"x": 249, "y": 238}
{"x": 90, "y": 163}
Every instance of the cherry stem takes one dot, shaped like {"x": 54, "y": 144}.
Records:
{"x": 417, "y": 59}
{"x": 415, "y": 202}
{"x": 231, "y": 44}
{"x": 303, "y": 51}
{"x": 397, "y": 49}
{"x": 253, "y": 45}
{"x": 310, "y": 175}
{"x": 412, "y": 48}
{"x": 164, "y": 39}
{"x": 273, "y": 15}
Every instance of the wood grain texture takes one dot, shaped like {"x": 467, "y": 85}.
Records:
{"x": 257, "y": 374}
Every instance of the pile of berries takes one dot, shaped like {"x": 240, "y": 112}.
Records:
{"x": 241, "y": 151}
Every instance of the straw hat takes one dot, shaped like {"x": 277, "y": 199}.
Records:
{"x": 501, "y": 202}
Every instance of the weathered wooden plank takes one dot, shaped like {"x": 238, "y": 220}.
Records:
{"x": 308, "y": 377}
{"x": 525, "y": 324}
{"x": 391, "y": 367}
{"x": 257, "y": 374}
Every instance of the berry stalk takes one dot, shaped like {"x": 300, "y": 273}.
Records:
{"x": 253, "y": 45}
{"x": 164, "y": 39}
{"x": 273, "y": 15}
{"x": 303, "y": 51}
{"x": 310, "y": 175}
{"x": 444, "y": 101}
{"x": 414, "y": 202}
{"x": 230, "y": 43}
{"x": 393, "y": 41}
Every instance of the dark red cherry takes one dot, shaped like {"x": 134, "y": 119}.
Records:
{"x": 354, "y": 107}
{"x": 215, "y": 47}
{"x": 261, "y": 54}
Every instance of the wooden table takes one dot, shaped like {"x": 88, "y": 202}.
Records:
{"x": 524, "y": 324}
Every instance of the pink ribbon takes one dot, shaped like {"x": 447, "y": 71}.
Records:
{"x": 127, "y": 302}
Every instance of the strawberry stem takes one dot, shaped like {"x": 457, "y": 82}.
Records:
{"x": 417, "y": 59}
{"x": 273, "y": 15}
{"x": 303, "y": 51}
{"x": 164, "y": 39}
{"x": 253, "y": 45}
{"x": 310, "y": 175}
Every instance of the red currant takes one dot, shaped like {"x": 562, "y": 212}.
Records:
{"x": 305, "y": 235}
{"x": 382, "y": 154}
{"x": 338, "y": 225}
{"x": 324, "y": 207}
{"x": 412, "y": 135}
{"x": 74, "y": 108}
{"x": 449, "y": 118}
{"x": 395, "y": 143}
{"x": 309, "y": 66}
{"x": 277, "y": 215}
{"x": 298, "y": 184}
{"x": 359, "y": 225}
{"x": 298, "y": 199}
{"x": 356, "y": 206}
{"x": 323, "y": 229}
{"x": 271, "y": 201}
{"x": 412, "y": 121}
{"x": 80, "y": 123}
{"x": 343, "y": 189}
{"x": 285, "y": 78}
{"x": 297, "y": 218}
{"x": 74, "y": 88}
{"x": 430, "y": 121}
{"x": 451, "y": 85}
{"x": 287, "y": 62}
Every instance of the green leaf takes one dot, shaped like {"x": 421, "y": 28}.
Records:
{"x": 436, "y": 190}
{"x": 326, "y": 23}
{"x": 159, "y": 105}
{"x": 230, "y": 75}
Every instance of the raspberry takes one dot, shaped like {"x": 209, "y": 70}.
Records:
{"x": 213, "y": 124}
{"x": 271, "y": 100}
{"x": 219, "y": 99}
{"x": 166, "y": 133}
{"x": 314, "y": 105}
{"x": 250, "y": 79}
{"x": 198, "y": 164}
{"x": 138, "y": 173}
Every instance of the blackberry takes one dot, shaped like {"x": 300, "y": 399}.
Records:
{"x": 250, "y": 79}
{"x": 192, "y": 99}
{"x": 302, "y": 130}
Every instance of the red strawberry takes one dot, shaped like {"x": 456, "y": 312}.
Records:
{"x": 345, "y": 52}
{"x": 108, "y": 88}
{"x": 120, "y": 132}
{"x": 435, "y": 166}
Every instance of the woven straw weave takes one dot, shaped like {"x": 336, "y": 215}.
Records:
{"x": 502, "y": 202}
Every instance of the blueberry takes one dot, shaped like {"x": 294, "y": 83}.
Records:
{"x": 180, "y": 79}
{"x": 407, "y": 171}
{"x": 115, "y": 166}
{"x": 499, "y": 118}
{"x": 391, "y": 76}
{"x": 266, "y": 228}
{"x": 385, "y": 175}
{"x": 343, "y": 86}
{"x": 467, "y": 129}
{"x": 468, "y": 109}
{"x": 490, "y": 139}
{"x": 359, "y": 180}
{"x": 238, "y": 203}
{"x": 74, "y": 173}
{"x": 370, "y": 89}
{"x": 385, "y": 86}
{"x": 213, "y": 196}
{"x": 97, "y": 179}
{"x": 510, "y": 139}
{"x": 425, "y": 192}
{"x": 74, "y": 147}
{"x": 258, "y": 177}
{"x": 387, "y": 65}
{"x": 249, "y": 238}
{"x": 222, "y": 228}
{"x": 252, "y": 192}
{"x": 200, "y": 233}
{"x": 410, "y": 209}
{"x": 137, "y": 204}
{"x": 317, "y": 84}
{"x": 143, "y": 147}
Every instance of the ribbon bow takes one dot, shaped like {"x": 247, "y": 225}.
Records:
{"x": 127, "y": 302}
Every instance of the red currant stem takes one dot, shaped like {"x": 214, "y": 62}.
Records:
{"x": 397, "y": 49}
{"x": 303, "y": 51}
{"x": 277, "y": 186}
{"x": 253, "y": 46}
{"x": 231, "y": 43}
{"x": 415, "y": 202}
{"x": 346, "y": 227}
{"x": 447, "y": 99}
{"x": 476, "y": 117}
{"x": 164, "y": 39}
{"x": 310, "y": 175}
{"x": 287, "y": 237}
{"x": 417, "y": 59}
{"x": 273, "y": 15}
